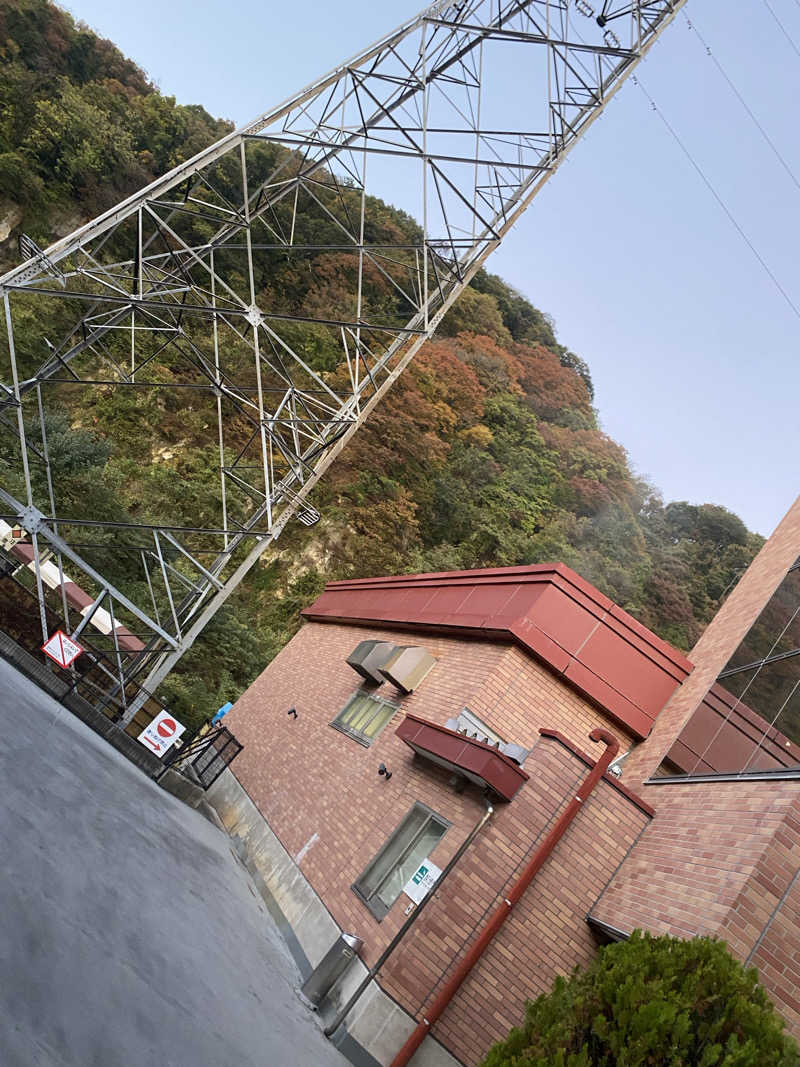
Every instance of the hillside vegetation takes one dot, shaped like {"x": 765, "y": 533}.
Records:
{"x": 487, "y": 452}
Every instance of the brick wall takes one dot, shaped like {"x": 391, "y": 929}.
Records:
{"x": 720, "y": 639}
{"x": 523, "y": 696}
{"x": 720, "y": 858}
{"x": 547, "y": 933}
{"x": 717, "y": 860}
{"x": 308, "y": 779}
{"x": 322, "y": 796}
{"x": 777, "y": 955}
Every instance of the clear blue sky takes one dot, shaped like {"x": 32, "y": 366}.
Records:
{"x": 694, "y": 353}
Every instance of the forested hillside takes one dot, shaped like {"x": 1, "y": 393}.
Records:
{"x": 487, "y": 452}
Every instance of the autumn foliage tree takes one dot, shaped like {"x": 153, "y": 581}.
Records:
{"x": 486, "y": 451}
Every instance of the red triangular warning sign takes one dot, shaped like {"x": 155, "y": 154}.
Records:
{"x": 62, "y": 649}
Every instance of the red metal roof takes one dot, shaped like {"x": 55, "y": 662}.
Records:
{"x": 547, "y": 609}
{"x": 476, "y": 760}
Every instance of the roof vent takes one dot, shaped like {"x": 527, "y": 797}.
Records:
{"x": 470, "y": 725}
{"x": 407, "y": 667}
{"x": 368, "y": 656}
{"x": 515, "y": 752}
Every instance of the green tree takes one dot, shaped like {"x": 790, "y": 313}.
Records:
{"x": 487, "y": 450}
{"x": 478, "y": 313}
{"x": 80, "y": 144}
{"x": 652, "y": 1002}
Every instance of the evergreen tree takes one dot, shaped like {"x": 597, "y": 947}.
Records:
{"x": 652, "y": 1002}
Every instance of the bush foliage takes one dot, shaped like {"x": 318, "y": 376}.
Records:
{"x": 652, "y": 1002}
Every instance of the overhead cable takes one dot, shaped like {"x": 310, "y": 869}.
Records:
{"x": 706, "y": 181}
{"x": 783, "y": 29}
{"x": 742, "y": 100}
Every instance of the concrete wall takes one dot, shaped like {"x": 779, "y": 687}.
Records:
{"x": 377, "y": 1027}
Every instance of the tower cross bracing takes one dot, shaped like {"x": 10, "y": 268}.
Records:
{"x": 464, "y": 113}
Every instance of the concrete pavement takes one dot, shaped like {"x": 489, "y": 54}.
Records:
{"x": 130, "y": 935}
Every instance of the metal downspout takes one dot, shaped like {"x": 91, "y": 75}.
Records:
{"x": 500, "y": 915}
{"x": 398, "y": 937}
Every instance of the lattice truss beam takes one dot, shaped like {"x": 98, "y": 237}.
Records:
{"x": 180, "y": 297}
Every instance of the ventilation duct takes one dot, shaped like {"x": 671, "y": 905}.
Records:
{"x": 407, "y": 667}
{"x": 468, "y": 724}
{"x": 515, "y": 752}
{"x": 368, "y": 656}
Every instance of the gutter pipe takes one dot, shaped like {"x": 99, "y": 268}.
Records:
{"x": 500, "y": 915}
{"x": 398, "y": 937}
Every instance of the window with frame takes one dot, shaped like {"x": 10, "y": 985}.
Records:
{"x": 749, "y": 721}
{"x": 363, "y": 717}
{"x": 412, "y": 842}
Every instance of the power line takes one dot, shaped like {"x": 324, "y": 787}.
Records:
{"x": 783, "y": 29}
{"x": 742, "y": 100}
{"x": 717, "y": 197}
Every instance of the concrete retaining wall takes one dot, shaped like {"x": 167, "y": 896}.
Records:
{"x": 377, "y": 1027}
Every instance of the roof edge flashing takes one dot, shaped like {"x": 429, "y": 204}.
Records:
{"x": 547, "y": 610}
{"x": 478, "y": 761}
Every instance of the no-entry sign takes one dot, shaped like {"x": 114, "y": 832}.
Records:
{"x": 162, "y": 733}
{"x": 62, "y": 649}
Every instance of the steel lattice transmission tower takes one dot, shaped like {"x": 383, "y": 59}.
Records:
{"x": 468, "y": 108}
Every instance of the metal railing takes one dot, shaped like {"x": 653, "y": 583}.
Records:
{"x": 208, "y": 754}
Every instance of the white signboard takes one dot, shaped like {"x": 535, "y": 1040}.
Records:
{"x": 62, "y": 649}
{"x": 422, "y": 881}
{"x": 162, "y": 733}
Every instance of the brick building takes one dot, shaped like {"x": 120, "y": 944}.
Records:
{"x": 362, "y": 760}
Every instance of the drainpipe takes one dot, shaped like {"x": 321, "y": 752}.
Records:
{"x": 528, "y": 874}
{"x": 401, "y": 933}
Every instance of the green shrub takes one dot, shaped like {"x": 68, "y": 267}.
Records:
{"x": 652, "y": 1001}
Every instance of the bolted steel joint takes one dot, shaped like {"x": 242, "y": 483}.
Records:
{"x": 31, "y": 519}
